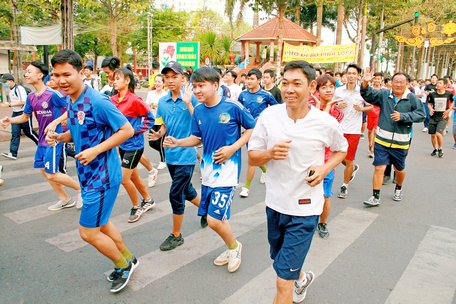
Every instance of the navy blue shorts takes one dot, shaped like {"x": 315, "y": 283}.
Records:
{"x": 364, "y": 117}
{"x": 97, "y": 206}
{"x": 48, "y": 158}
{"x": 216, "y": 202}
{"x": 389, "y": 156}
{"x": 289, "y": 241}
{"x": 181, "y": 187}
{"x": 328, "y": 182}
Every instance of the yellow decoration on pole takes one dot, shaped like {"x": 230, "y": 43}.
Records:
{"x": 449, "y": 28}
{"x": 431, "y": 27}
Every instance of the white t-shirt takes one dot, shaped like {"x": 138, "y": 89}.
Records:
{"x": 235, "y": 91}
{"x": 353, "y": 120}
{"x": 423, "y": 96}
{"x": 18, "y": 94}
{"x": 152, "y": 99}
{"x": 92, "y": 82}
{"x": 287, "y": 190}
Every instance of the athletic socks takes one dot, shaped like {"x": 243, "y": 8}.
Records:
{"x": 121, "y": 262}
{"x": 127, "y": 254}
{"x": 376, "y": 194}
{"x": 247, "y": 184}
{"x": 398, "y": 187}
{"x": 303, "y": 281}
{"x": 263, "y": 168}
{"x": 233, "y": 246}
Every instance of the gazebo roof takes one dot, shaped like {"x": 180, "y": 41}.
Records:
{"x": 270, "y": 31}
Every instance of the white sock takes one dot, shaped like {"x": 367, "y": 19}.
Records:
{"x": 303, "y": 281}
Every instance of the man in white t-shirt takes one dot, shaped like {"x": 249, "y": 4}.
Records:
{"x": 291, "y": 139}
{"x": 235, "y": 89}
{"x": 353, "y": 106}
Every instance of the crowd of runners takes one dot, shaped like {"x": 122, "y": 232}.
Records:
{"x": 297, "y": 128}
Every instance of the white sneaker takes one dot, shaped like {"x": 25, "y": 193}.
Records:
{"x": 223, "y": 258}
{"x": 152, "y": 178}
{"x": 244, "y": 192}
{"x": 161, "y": 166}
{"x": 425, "y": 129}
{"x": 79, "y": 201}
{"x": 234, "y": 258}
{"x": 62, "y": 205}
{"x": 263, "y": 177}
{"x": 9, "y": 155}
{"x": 299, "y": 292}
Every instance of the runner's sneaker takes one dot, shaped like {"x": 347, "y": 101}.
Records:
{"x": 203, "y": 221}
{"x": 440, "y": 153}
{"x": 147, "y": 205}
{"x": 425, "y": 129}
{"x": 9, "y": 155}
{"x": 370, "y": 154}
{"x": 79, "y": 200}
{"x": 323, "y": 230}
{"x": 234, "y": 258}
{"x": 355, "y": 170}
{"x": 161, "y": 166}
{"x": 343, "y": 192}
{"x": 299, "y": 292}
{"x": 244, "y": 192}
{"x": 434, "y": 153}
{"x": 152, "y": 178}
{"x": 171, "y": 242}
{"x": 223, "y": 258}
{"x": 372, "y": 202}
{"x": 122, "y": 277}
{"x": 116, "y": 273}
{"x": 61, "y": 204}
{"x": 263, "y": 178}
{"x": 135, "y": 214}
{"x": 397, "y": 195}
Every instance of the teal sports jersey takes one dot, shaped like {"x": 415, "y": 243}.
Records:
{"x": 220, "y": 126}
{"x": 92, "y": 119}
{"x": 178, "y": 121}
{"x": 256, "y": 102}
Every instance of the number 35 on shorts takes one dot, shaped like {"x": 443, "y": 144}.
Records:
{"x": 219, "y": 199}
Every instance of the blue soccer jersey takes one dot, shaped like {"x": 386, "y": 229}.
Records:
{"x": 256, "y": 102}
{"x": 220, "y": 126}
{"x": 92, "y": 119}
{"x": 178, "y": 121}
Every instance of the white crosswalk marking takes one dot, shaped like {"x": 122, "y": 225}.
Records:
{"x": 345, "y": 229}
{"x": 158, "y": 264}
{"x": 37, "y": 212}
{"x": 69, "y": 241}
{"x": 29, "y": 171}
{"x": 430, "y": 277}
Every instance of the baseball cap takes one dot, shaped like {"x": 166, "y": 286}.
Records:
{"x": 173, "y": 66}
{"x": 7, "y": 76}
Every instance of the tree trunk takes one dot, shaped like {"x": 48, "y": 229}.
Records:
{"x": 419, "y": 70}
{"x": 362, "y": 44}
{"x": 113, "y": 40}
{"x": 280, "y": 38}
{"x": 66, "y": 7}
{"x": 298, "y": 14}
{"x": 358, "y": 30}
{"x": 319, "y": 20}
{"x": 256, "y": 17}
{"x": 340, "y": 19}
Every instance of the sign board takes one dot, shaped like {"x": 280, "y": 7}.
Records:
{"x": 320, "y": 54}
{"x": 186, "y": 53}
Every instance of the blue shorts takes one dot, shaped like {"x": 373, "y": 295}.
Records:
{"x": 48, "y": 158}
{"x": 289, "y": 241}
{"x": 364, "y": 117}
{"x": 389, "y": 156}
{"x": 216, "y": 202}
{"x": 97, "y": 206}
{"x": 328, "y": 182}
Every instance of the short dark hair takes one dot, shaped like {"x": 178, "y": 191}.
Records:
{"x": 444, "y": 79}
{"x": 255, "y": 72}
{"x": 127, "y": 73}
{"x": 386, "y": 80}
{"x": 323, "y": 79}
{"x": 329, "y": 72}
{"x": 355, "y": 66}
{"x": 337, "y": 73}
{"x": 218, "y": 70}
{"x": 302, "y": 65}
{"x": 407, "y": 76}
{"x": 67, "y": 56}
{"x": 243, "y": 75}
{"x": 42, "y": 67}
{"x": 378, "y": 74}
{"x": 89, "y": 67}
{"x": 206, "y": 74}
{"x": 233, "y": 73}
{"x": 111, "y": 62}
{"x": 270, "y": 72}
{"x": 434, "y": 75}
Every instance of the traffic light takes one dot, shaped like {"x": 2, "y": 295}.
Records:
{"x": 417, "y": 15}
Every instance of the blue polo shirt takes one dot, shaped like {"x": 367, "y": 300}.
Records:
{"x": 256, "y": 102}
{"x": 176, "y": 117}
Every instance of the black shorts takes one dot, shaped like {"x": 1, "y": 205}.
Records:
{"x": 130, "y": 159}
{"x": 437, "y": 125}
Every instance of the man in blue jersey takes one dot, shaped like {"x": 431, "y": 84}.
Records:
{"x": 217, "y": 123}
{"x": 175, "y": 112}
{"x": 255, "y": 99}
{"x": 96, "y": 127}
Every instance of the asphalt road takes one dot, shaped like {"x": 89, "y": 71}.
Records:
{"x": 400, "y": 252}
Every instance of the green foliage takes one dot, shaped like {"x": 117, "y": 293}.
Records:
{"x": 216, "y": 47}
{"x": 308, "y": 16}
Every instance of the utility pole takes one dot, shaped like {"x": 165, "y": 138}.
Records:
{"x": 380, "y": 41}
{"x": 16, "y": 67}
{"x": 149, "y": 44}
{"x": 66, "y": 9}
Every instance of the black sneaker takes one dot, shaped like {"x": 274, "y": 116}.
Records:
{"x": 171, "y": 242}
{"x": 121, "y": 278}
{"x": 355, "y": 170}
{"x": 440, "y": 153}
{"x": 135, "y": 214}
{"x": 323, "y": 230}
{"x": 116, "y": 272}
{"x": 386, "y": 179}
{"x": 343, "y": 192}
{"x": 434, "y": 153}
{"x": 147, "y": 205}
{"x": 203, "y": 221}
